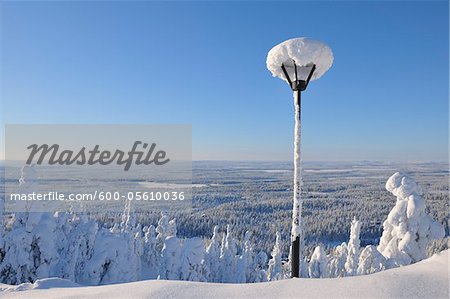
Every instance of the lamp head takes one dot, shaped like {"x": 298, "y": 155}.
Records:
{"x": 298, "y": 77}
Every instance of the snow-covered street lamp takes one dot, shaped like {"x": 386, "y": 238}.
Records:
{"x": 298, "y": 61}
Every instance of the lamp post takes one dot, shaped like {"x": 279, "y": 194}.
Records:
{"x": 297, "y": 85}
{"x": 298, "y": 61}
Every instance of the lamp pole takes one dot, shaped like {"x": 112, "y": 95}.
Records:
{"x": 297, "y": 209}
{"x": 297, "y": 85}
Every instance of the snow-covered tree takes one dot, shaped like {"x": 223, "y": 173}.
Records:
{"x": 31, "y": 247}
{"x": 275, "y": 270}
{"x": 165, "y": 229}
{"x": 192, "y": 260}
{"x": 245, "y": 267}
{"x": 110, "y": 260}
{"x": 136, "y": 250}
{"x": 65, "y": 265}
{"x": 408, "y": 229}
{"x": 351, "y": 265}
{"x": 337, "y": 260}
{"x": 170, "y": 259}
{"x": 81, "y": 245}
{"x": 17, "y": 265}
{"x": 151, "y": 257}
{"x": 370, "y": 260}
{"x": 318, "y": 263}
{"x": 228, "y": 258}
{"x": 259, "y": 273}
{"x": 109, "y": 255}
{"x": 128, "y": 222}
{"x": 212, "y": 257}
{"x": 304, "y": 267}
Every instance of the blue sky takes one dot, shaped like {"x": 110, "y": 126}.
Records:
{"x": 203, "y": 63}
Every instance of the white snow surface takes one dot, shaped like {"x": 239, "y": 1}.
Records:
{"x": 426, "y": 279}
{"x": 304, "y": 51}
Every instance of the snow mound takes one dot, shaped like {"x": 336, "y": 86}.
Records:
{"x": 304, "y": 51}
{"x": 44, "y": 284}
{"x": 53, "y": 282}
{"x": 426, "y": 279}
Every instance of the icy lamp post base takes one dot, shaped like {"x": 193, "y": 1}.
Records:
{"x": 295, "y": 271}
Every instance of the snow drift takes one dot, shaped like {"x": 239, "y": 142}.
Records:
{"x": 426, "y": 279}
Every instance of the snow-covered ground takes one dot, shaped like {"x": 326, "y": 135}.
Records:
{"x": 426, "y": 279}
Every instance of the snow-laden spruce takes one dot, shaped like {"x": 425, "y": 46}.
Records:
{"x": 212, "y": 257}
{"x": 408, "y": 229}
{"x": 275, "y": 268}
{"x": 370, "y": 261}
{"x": 245, "y": 261}
{"x": 351, "y": 265}
{"x": 337, "y": 260}
{"x": 305, "y": 52}
{"x": 318, "y": 263}
{"x": 228, "y": 256}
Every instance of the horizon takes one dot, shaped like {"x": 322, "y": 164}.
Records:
{"x": 304, "y": 161}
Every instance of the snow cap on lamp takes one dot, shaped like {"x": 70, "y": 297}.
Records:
{"x": 304, "y": 51}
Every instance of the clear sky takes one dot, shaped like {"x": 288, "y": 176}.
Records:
{"x": 203, "y": 63}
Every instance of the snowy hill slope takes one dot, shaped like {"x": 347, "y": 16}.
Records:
{"x": 426, "y": 279}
